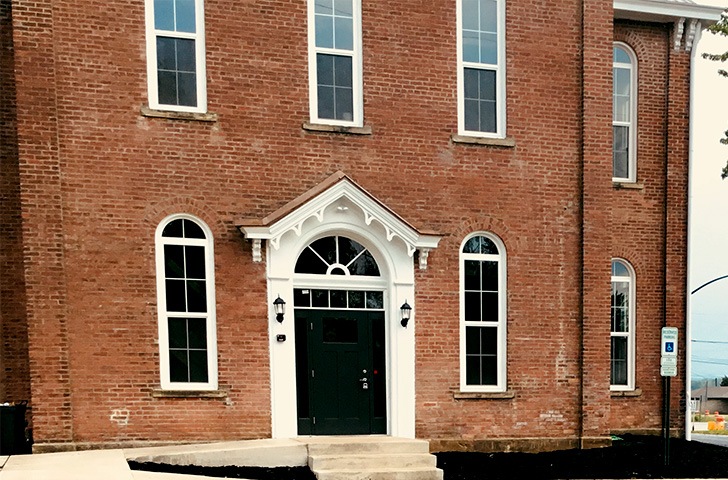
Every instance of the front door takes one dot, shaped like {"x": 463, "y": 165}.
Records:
{"x": 340, "y": 367}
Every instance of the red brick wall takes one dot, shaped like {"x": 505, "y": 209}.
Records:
{"x": 98, "y": 177}
{"x": 14, "y": 375}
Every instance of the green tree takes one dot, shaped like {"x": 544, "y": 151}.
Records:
{"x": 721, "y": 28}
{"x": 724, "y": 381}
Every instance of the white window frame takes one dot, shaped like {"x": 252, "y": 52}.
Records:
{"x": 501, "y": 324}
{"x": 499, "y": 68}
{"x": 356, "y": 65}
{"x": 630, "y": 334}
{"x": 162, "y": 314}
{"x": 199, "y": 37}
{"x": 632, "y": 124}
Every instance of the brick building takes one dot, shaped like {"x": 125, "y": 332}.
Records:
{"x": 170, "y": 169}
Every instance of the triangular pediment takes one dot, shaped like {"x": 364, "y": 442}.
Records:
{"x": 340, "y": 192}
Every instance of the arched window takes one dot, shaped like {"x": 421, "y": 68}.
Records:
{"x": 482, "y": 314}
{"x": 337, "y": 256}
{"x": 624, "y": 114}
{"x": 186, "y": 304}
{"x": 622, "y": 330}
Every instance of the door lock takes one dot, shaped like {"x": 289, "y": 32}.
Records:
{"x": 364, "y": 384}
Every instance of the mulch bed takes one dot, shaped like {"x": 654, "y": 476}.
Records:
{"x": 630, "y": 457}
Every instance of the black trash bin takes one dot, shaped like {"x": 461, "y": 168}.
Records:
{"x": 12, "y": 429}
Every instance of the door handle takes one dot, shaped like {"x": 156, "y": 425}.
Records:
{"x": 363, "y": 379}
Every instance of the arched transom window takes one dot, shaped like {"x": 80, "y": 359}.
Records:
{"x": 337, "y": 255}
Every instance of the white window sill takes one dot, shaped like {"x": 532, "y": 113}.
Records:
{"x": 508, "y": 394}
{"x": 509, "y": 142}
{"x": 159, "y": 393}
{"x": 320, "y": 127}
{"x": 199, "y": 117}
{"x": 628, "y": 185}
{"x": 637, "y": 392}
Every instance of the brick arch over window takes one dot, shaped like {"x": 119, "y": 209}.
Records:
{"x": 157, "y": 211}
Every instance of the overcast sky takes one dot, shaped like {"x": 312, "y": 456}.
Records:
{"x": 708, "y": 243}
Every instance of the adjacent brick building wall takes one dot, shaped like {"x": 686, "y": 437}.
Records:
{"x": 95, "y": 178}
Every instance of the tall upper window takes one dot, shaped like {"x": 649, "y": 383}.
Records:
{"x": 186, "y": 304}
{"x": 624, "y": 164}
{"x": 335, "y": 81}
{"x": 483, "y": 314}
{"x": 622, "y": 336}
{"x": 176, "y": 55}
{"x": 481, "y": 67}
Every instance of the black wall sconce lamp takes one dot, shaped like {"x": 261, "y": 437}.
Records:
{"x": 279, "y": 305}
{"x": 406, "y": 313}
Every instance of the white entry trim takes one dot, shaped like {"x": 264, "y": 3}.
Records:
{"x": 342, "y": 209}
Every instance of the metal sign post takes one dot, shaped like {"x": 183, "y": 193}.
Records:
{"x": 668, "y": 369}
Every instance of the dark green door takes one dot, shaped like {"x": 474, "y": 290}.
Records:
{"x": 341, "y": 378}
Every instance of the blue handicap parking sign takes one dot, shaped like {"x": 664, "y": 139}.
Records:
{"x": 669, "y": 346}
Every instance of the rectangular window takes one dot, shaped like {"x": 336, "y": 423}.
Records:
{"x": 622, "y": 327}
{"x": 481, "y": 68}
{"x": 335, "y": 82}
{"x": 176, "y": 55}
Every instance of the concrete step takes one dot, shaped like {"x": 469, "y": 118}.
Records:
{"x": 367, "y": 445}
{"x": 365, "y": 461}
{"x": 376, "y": 474}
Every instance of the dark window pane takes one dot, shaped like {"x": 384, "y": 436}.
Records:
{"x": 375, "y": 300}
{"x": 337, "y": 271}
{"x": 195, "y": 261}
{"x": 192, "y": 230}
{"x": 338, "y": 298}
{"x": 619, "y": 361}
{"x": 489, "y": 370}
{"x": 621, "y": 152}
{"x": 365, "y": 265}
{"x": 164, "y": 14}
{"x": 490, "y": 276}
{"x": 177, "y": 328}
{"x": 167, "y": 88}
{"x": 175, "y": 293}
{"x": 173, "y": 229}
{"x": 472, "y": 275}
{"x": 197, "y": 328}
{"x": 174, "y": 261}
{"x": 198, "y": 366}
{"x": 471, "y": 86}
{"x": 342, "y": 72}
{"x": 472, "y": 340}
{"x": 348, "y": 250}
{"x": 301, "y": 297}
{"x": 324, "y": 69}
{"x": 488, "y": 246}
{"x": 472, "y": 245}
{"x": 488, "y": 120}
{"x": 488, "y": 341}
{"x": 326, "y": 247}
{"x": 472, "y": 115}
{"x": 490, "y": 307}
{"x": 472, "y": 306}
{"x": 186, "y": 16}
{"x": 472, "y": 370}
{"x": 185, "y": 55}
{"x": 196, "y": 296}
{"x": 309, "y": 262}
{"x": 356, "y": 299}
{"x": 344, "y": 104}
{"x": 187, "y": 94}
{"x": 326, "y": 102}
{"x": 166, "y": 54}
{"x": 178, "y": 366}
{"x": 340, "y": 330}
{"x": 320, "y": 298}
